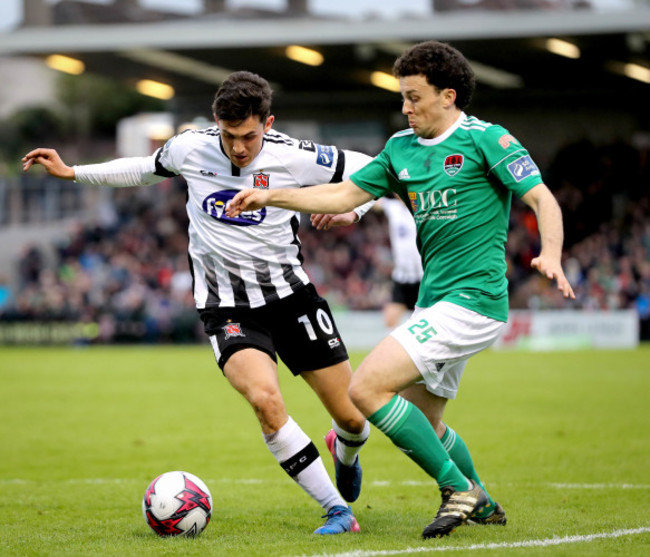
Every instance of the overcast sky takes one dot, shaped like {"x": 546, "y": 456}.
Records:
{"x": 11, "y": 10}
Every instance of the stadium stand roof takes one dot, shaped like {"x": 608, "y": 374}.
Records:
{"x": 507, "y": 48}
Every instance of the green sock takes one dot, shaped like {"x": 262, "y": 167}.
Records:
{"x": 459, "y": 453}
{"x": 407, "y": 427}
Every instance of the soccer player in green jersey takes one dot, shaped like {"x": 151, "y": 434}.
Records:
{"x": 457, "y": 174}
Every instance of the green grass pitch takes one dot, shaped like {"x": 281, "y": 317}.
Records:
{"x": 560, "y": 439}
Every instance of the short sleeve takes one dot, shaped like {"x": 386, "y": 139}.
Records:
{"x": 509, "y": 161}
{"x": 377, "y": 176}
{"x": 313, "y": 163}
{"x": 170, "y": 158}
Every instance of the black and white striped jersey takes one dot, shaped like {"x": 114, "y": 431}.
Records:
{"x": 253, "y": 259}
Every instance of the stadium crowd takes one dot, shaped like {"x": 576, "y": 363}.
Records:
{"x": 130, "y": 275}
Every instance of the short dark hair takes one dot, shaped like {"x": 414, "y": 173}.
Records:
{"x": 442, "y": 65}
{"x": 243, "y": 94}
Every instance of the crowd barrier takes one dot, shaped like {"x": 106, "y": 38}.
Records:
{"x": 361, "y": 330}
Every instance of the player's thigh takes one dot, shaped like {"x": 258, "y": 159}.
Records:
{"x": 440, "y": 339}
{"x": 304, "y": 332}
{"x": 231, "y": 330}
{"x": 252, "y": 373}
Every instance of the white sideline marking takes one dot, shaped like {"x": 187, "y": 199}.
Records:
{"x": 600, "y": 486}
{"x": 414, "y": 483}
{"x": 376, "y": 483}
{"x": 506, "y": 545}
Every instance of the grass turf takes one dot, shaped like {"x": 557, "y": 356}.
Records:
{"x": 560, "y": 439}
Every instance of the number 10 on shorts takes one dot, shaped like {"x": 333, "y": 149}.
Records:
{"x": 422, "y": 331}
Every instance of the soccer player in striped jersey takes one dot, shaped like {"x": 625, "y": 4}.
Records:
{"x": 253, "y": 296}
{"x": 457, "y": 174}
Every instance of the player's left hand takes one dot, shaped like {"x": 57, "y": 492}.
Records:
{"x": 552, "y": 270}
{"x": 326, "y": 221}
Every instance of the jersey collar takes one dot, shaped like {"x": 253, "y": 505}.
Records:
{"x": 448, "y": 132}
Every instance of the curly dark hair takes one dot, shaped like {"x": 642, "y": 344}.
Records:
{"x": 243, "y": 94}
{"x": 442, "y": 65}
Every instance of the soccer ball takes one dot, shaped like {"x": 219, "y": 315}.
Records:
{"x": 177, "y": 504}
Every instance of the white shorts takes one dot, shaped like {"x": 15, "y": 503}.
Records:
{"x": 440, "y": 339}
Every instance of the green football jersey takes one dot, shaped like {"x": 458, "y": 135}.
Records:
{"x": 459, "y": 187}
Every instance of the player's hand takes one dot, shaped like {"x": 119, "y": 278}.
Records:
{"x": 552, "y": 270}
{"x": 326, "y": 221}
{"x": 247, "y": 200}
{"x": 49, "y": 159}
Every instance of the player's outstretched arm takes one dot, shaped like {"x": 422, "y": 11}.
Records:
{"x": 325, "y": 198}
{"x": 549, "y": 222}
{"x": 49, "y": 159}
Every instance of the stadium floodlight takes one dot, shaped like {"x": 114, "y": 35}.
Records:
{"x": 562, "y": 48}
{"x": 496, "y": 77}
{"x": 385, "y": 81}
{"x": 182, "y": 65}
{"x": 304, "y": 55}
{"x": 629, "y": 69}
{"x": 65, "y": 64}
{"x": 155, "y": 89}
{"x": 635, "y": 71}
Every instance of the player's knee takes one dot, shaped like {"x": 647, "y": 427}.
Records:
{"x": 358, "y": 392}
{"x": 353, "y": 424}
{"x": 266, "y": 402}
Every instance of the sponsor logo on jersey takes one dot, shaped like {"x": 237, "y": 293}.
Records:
{"x": 453, "y": 164}
{"x": 522, "y": 168}
{"x": 404, "y": 174}
{"x": 208, "y": 173}
{"x": 334, "y": 342}
{"x": 413, "y": 198}
{"x": 434, "y": 205}
{"x": 233, "y": 330}
{"x": 215, "y": 205}
{"x": 261, "y": 181}
{"x": 506, "y": 140}
{"x": 324, "y": 155}
{"x": 307, "y": 145}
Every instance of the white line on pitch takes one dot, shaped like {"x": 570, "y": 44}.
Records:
{"x": 599, "y": 486}
{"x": 280, "y": 479}
{"x": 414, "y": 483}
{"x": 506, "y": 545}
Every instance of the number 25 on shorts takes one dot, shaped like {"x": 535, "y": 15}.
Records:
{"x": 422, "y": 331}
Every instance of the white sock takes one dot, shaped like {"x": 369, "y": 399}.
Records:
{"x": 349, "y": 444}
{"x": 299, "y": 458}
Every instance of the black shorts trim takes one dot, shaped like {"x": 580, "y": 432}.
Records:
{"x": 405, "y": 293}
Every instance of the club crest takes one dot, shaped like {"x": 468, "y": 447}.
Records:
{"x": 453, "y": 164}
{"x": 261, "y": 181}
{"x": 233, "y": 330}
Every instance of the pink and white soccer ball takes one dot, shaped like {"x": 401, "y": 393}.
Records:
{"x": 177, "y": 504}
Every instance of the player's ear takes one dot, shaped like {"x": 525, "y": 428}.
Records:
{"x": 269, "y": 123}
{"x": 448, "y": 96}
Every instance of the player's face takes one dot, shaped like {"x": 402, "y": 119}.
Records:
{"x": 242, "y": 140}
{"x": 425, "y": 106}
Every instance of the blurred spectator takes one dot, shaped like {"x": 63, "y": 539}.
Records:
{"x": 5, "y": 292}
